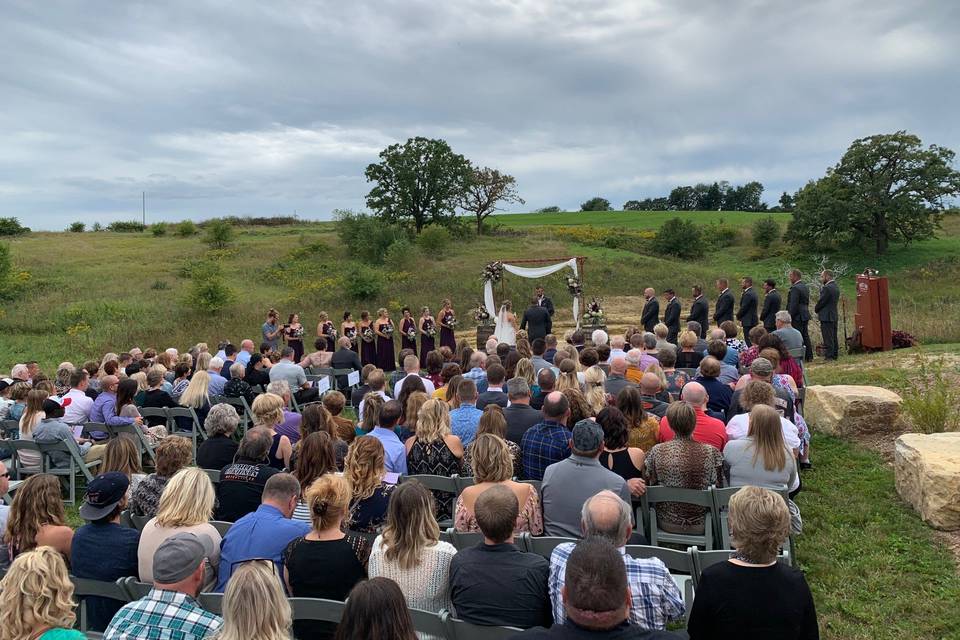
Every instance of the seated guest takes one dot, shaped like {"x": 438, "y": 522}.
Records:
{"x": 316, "y": 419}
{"x": 36, "y": 519}
{"x": 477, "y": 369}
{"x": 411, "y": 367}
{"x": 106, "y": 498}
{"x": 550, "y": 342}
{"x": 411, "y": 411}
{"x": 752, "y": 595}
{"x": 761, "y": 369}
{"x": 762, "y": 458}
{"x": 539, "y": 361}
{"x": 370, "y": 490}
{"x": 185, "y": 506}
{"x": 749, "y": 354}
{"x": 294, "y": 376}
{"x": 52, "y": 429}
{"x": 258, "y": 371}
{"x": 494, "y": 394}
{"x": 623, "y": 460}
{"x": 688, "y": 357}
{"x": 695, "y": 327}
{"x": 466, "y": 417}
{"x": 493, "y": 421}
{"x": 519, "y": 416}
{"x": 792, "y": 339}
{"x": 786, "y": 366}
{"x": 567, "y": 484}
{"x": 447, "y": 373}
{"x": 380, "y": 424}
{"x": 377, "y": 381}
{"x": 492, "y": 465}
{"x": 255, "y": 582}
{"x": 315, "y": 457}
{"x": 643, "y": 428}
{"x": 219, "y": 449}
{"x": 197, "y": 397}
{"x": 345, "y": 358}
{"x": 655, "y": 400}
{"x": 178, "y": 571}
{"x": 334, "y": 402}
{"x": 123, "y": 456}
{"x": 675, "y": 379}
{"x": 156, "y": 396}
{"x": 735, "y": 345}
{"x": 268, "y": 414}
{"x": 655, "y": 599}
{"x": 433, "y": 363}
{"x": 434, "y": 450}
{"x": 36, "y": 598}
{"x": 547, "y": 442}
{"x": 685, "y": 463}
{"x": 172, "y": 454}
{"x": 181, "y": 379}
{"x": 758, "y": 393}
{"x": 410, "y": 552}
{"x": 237, "y": 387}
{"x": 217, "y": 381}
{"x": 617, "y": 379}
{"x": 594, "y": 386}
{"x": 597, "y": 601}
{"x": 266, "y": 532}
{"x": 719, "y": 394}
{"x": 376, "y": 608}
{"x": 320, "y": 358}
{"x": 76, "y": 403}
{"x": 709, "y": 430}
{"x": 358, "y": 393}
{"x": 729, "y": 374}
{"x": 546, "y": 383}
{"x": 494, "y": 583}
{"x": 240, "y": 490}
{"x": 290, "y": 424}
{"x": 661, "y": 332}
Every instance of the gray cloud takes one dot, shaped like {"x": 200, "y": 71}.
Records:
{"x": 261, "y": 108}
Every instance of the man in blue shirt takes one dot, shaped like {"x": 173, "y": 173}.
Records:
{"x": 104, "y": 408}
{"x": 103, "y": 549}
{"x": 477, "y": 373}
{"x": 394, "y": 453}
{"x": 266, "y": 532}
{"x": 547, "y": 442}
{"x": 465, "y": 419}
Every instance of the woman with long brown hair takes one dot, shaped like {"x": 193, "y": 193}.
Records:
{"x": 763, "y": 458}
{"x": 317, "y": 419}
{"x": 493, "y": 421}
{"x": 643, "y": 428}
{"x": 37, "y": 518}
{"x": 315, "y": 458}
{"x": 377, "y": 609}
{"x": 123, "y": 456}
{"x": 365, "y": 469}
{"x": 32, "y": 416}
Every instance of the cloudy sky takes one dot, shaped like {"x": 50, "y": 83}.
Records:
{"x": 262, "y": 108}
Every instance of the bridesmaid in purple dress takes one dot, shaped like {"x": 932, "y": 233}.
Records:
{"x": 348, "y": 329}
{"x": 428, "y": 329}
{"x": 325, "y": 330}
{"x": 408, "y": 327}
{"x": 368, "y": 339}
{"x": 383, "y": 327}
{"x": 447, "y": 339}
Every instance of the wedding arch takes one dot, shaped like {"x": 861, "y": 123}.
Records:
{"x": 493, "y": 273}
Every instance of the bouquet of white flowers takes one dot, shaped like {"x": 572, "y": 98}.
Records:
{"x": 429, "y": 328}
{"x": 594, "y": 314}
{"x": 574, "y": 286}
{"x": 367, "y": 334}
{"x": 331, "y": 333}
{"x": 388, "y": 329}
{"x": 411, "y": 334}
{"x": 481, "y": 315}
{"x": 493, "y": 272}
{"x": 452, "y": 322}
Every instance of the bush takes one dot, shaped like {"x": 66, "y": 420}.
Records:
{"x": 186, "y": 229}
{"x": 434, "y": 241}
{"x": 366, "y": 237}
{"x": 765, "y": 232}
{"x": 127, "y": 226}
{"x": 159, "y": 285}
{"x": 680, "y": 238}
{"x": 721, "y": 235}
{"x": 400, "y": 253}
{"x": 77, "y": 227}
{"x": 159, "y": 229}
{"x": 363, "y": 282}
{"x": 97, "y": 227}
{"x": 219, "y": 234}
{"x": 6, "y": 268}
{"x": 596, "y": 204}
{"x": 932, "y": 396}
{"x": 207, "y": 291}
{"x": 12, "y": 227}
{"x": 550, "y": 209}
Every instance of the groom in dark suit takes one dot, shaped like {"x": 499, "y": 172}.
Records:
{"x": 544, "y": 301}
{"x": 651, "y": 310}
{"x": 671, "y": 316}
{"x": 538, "y": 317}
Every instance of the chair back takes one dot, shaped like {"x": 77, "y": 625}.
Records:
{"x": 221, "y": 526}
{"x": 18, "y": 469}
{"x": 544, "y": 545}
{"x": 701, "y": 498}
{"x": 430, "y": 623}
{"x": 462, "y": 539}
{"x": 460, "y": 630}
{"x": 212, "y": 602}
{"x": 84, "y": 587}
{"x": 8, "y": 427}
{"x": 139, "y": 522}
{"x": 316, "y": 609}
{"x": 153, "y": 412}
{"x": 135, "y": 588}
{"x": 704, "y": 559}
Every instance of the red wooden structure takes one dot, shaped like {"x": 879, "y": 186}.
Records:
{"x": 872, "y": 319}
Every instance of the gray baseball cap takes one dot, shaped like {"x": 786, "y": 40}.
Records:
{"x": 761, "y": 367}
{"x": 179, "y": 555}
{"x": 587, "y": 436}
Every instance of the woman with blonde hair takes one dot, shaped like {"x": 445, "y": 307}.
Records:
{"x": 254, "y": 605}
{"x": 32, "y": 416}
{"x": 62, "y": 380}
{"x": 123, "y": 456}
{"x": 186, "y": 505}
{"x": 523, "y": 347}
{"x": 434, "y": 450}
{"x": 197, "y": 397}
{"x": 268, "y": 413}
{"x": 688, "y": 357}
{"x": 525, "y": 370}
{"x": 494, "y": 422}
{"x": 751, "y": 595}
{"x": 595, "y": 381}
{"x": 343, "y": 557}
{"x": 365, "y": 470}
{"x": 203, "y": 361}
{"x": 173, "y": 454}
{"x": 763, "y": 457}
{"x": 36, "y": 599}
{"x": 410, "y": 552}
{"x": 37, "y": 518}
{"x": 568, "y": 375}
{"x": 493, "y": 464}
{"x": 411, "y": 412}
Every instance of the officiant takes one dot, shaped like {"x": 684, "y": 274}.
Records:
{"x": 543, "y": 301}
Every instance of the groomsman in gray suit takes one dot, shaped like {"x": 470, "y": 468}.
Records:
{"x": 651, "y": 310}
{"x": 798, "y": 305}
{"x": 827, "y": 314}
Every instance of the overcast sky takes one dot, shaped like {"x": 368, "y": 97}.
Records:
{"x": 262, "y": 108}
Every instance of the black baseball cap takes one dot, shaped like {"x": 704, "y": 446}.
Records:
{"x": 104, "y": 493}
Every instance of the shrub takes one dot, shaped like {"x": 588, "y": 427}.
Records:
{"x": 219, "y": 234}
{"x": 186, "y": 229}
{"x": 550, "y": 209}
{"x": 190, "y": 266}
{"x": 596, "y": 204}
{"x": 12, "y": 227}
{"x": 77, "y": 227}
{"x": 363, "y": 282}
{"x": 97, "y": 227}
{"x": 679, "y": 238}
{"x": 158, "y": 229}
{"x": 434, "y": 241}
{"x": 127, "y": 226}
{"x": 159, "y": 285}
{"x": 366, "y": 237}
{"x": 400, "y": 253}
{"x": 765, "y": 232}
{"x": 932, "y": 395}
{"x": 208, "y": 292}
{"x": 719, "y": 234}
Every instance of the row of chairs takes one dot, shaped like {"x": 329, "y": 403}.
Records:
{"x": 440, "y": 625}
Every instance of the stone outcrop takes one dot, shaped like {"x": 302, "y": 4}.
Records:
{"x": 927, "y": 469}
{"x": 847, "y": 409}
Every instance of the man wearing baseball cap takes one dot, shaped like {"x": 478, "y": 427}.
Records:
{"x": 103, "y": 549}
{"x": 567, "y": 484}
{"x": 762, "y": 369}
{"x": 178, "y": 566}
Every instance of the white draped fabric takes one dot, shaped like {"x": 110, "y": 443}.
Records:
{"x": 532, "y": 272}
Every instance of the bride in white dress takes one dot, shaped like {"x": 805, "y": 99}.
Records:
{"x": 506, "y": 325}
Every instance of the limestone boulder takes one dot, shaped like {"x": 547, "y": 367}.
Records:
{"x": 843, "y": 410}
{"x": 927, "y": 469}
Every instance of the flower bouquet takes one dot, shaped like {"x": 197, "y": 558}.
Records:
{"x": 352, "y": 335}
{"x": 493, "y": 272}
{"x": 574, "y": 286}
{"x": 388, "y": 329}
{"x": 481, "y": 315}
{"x": 411, "y": 334}
{"x": 451, "y": 322}
{"x": 593, "y": 315}
{"x": 429, "y": 328}
{"x": 331, "y": 333}
{"x": 367, "y": 334}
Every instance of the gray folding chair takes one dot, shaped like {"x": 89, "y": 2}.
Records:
{"x": 462, "y": 539}
{"x": 544, "y": 545}
{"x": 85, "y": 587}
{"x": 243, "y": 410}
{"x": 139, "y": 437}
{"x": 8, "y": 496}
{"x": 139, "y": 521}
{"x": 77, "y": 465}
{"x": 701, "y": 498}
{"x": 460, "y": 630}
{"x": 721, "y": 511}
{"x": 212, "y": 602}
{"x": 196, "y": 433}
{"x": 462, "y": 483}
{"x": 126, "y": 520}
{"x": 316, "y": 609}
{"x": 214, "y": 476}
{"x": 536, "y": 484}
{"x": 18, "y": 469}
{"x": 135, "y": 588}
{"x": 679, "y": 563}
{"x": 9, "y": 428}
{"x": 221, "y": 527}
{"x": 438, "y": 484}
{"x": 343, "y": 373}
{"x": 704, "y": 559}
{"x": 369, "y": 536}
{"x": 430, "y": 623}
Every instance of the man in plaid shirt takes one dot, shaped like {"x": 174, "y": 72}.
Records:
{"x": 169, "y": 610}
{"x": 547, "y": 442}
{"x": 655, "y": 597}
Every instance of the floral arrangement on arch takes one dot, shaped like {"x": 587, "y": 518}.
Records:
{"x": 594, "y": 313}
{"x": 481, "y": 315}
{"x": 493, "y": 272}
{"x": 574, "y": 286}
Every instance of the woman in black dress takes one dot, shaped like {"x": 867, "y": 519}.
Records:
{"x": 325, "y": 330}
{"x": 368, "y": 339}
{"x": 348, "y": 329}
{"x": 428, "y": 331}
{"x": 448, "y": 320}
{"x": 383, "y": 327}
{"x": 293, "y": 333}
{"x": 408, "y": 328}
